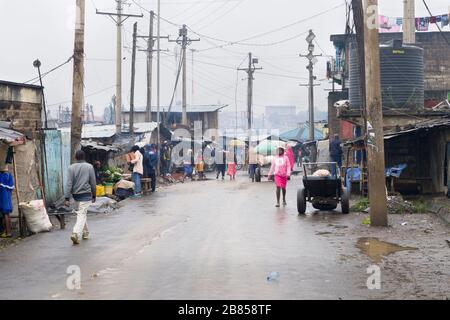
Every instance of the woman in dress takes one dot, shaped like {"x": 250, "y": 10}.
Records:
{"x": 281, "y": 170}
{"x": 232, "y": 164}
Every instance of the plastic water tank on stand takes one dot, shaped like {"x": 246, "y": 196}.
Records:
{"x": 402, "y": 76}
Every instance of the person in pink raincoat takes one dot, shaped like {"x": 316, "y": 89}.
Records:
{"x": 281, "y": 171}
{"x": 291, "y": 157}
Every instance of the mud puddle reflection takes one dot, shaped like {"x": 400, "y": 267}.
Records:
{"x": 376, "y": 249}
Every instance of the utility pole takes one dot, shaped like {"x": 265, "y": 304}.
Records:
{"x": 118, "y": 19}
{"x": 375, "y": 134}
{"x": 312, "y": 61}
{"x": 150, "y": 45}
{"x": 250, "y": 71}
{"x": 358, "y": 17}
{"x": 409, "y": 22}
{"x": 184, "y": 41}
{"x": 78, "y": 80}
{"x": 133, "y": 76}
{"x": 158, "y": 89}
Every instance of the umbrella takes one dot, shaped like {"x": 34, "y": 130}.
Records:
{"x": 269, "y": 147}
{"x": 236, "y": 143}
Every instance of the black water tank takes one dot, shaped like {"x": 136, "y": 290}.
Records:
{"x": 402, "y": 76}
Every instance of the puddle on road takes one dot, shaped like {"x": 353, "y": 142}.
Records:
{"x": 376, "y": 249}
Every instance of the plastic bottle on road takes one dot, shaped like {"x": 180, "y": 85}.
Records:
{"x": 273, "y": 276}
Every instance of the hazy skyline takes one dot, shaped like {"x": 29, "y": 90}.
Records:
{"x": 48, "y": 35}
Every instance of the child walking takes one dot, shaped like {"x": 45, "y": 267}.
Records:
{"x": 281, "y": 170}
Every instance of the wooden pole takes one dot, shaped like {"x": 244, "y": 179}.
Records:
{"x": 133, "y": 76}
{"x": 22, "y": 228}
{"x": 375, "y": 147}
{"x": 78, "y": 80}
{"x": 409, "y": 22}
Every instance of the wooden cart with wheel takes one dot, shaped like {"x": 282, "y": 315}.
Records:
{"x": 322, "y": 186}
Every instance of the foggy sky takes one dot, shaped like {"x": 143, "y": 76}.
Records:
{"x": 43, "y": 29}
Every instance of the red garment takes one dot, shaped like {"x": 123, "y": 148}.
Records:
{"x": 232, "y": 169}
{"x": 281, "y": 182}
{"x": 291, "y": 157}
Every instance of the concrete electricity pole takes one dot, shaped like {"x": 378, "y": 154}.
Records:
{"x": 375, "y": 135}
{"x": 158, "y": 89}
{"x": 78, "y": 80}
{"x": 250, "y": 71}
{"x": 409, "y": 22}
{"x": 119, "y": 22}
{"x": 184, "y": 41}
{"x": 133, "y": 76}
{"x": 312, "y": 61}
{"x": 150, "y": 45}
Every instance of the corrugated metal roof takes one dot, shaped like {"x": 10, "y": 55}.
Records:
{"x": 97, "y": 146}
{"x": 425, "y": 125}
{"x": 109, "y": 131}
{"x": 11, "y": 137}
{"x": 178, "y": 109}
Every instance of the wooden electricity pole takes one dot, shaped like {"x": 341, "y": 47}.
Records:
{"x": 133, "y": 76}
{"x": 78, "y": 80}
{"x": 250, "y": 71}
{"x": 409, "y": 22}
{"x": 375, "y": 135}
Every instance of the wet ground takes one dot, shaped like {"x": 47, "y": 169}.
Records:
{"x": 220, "y": 240}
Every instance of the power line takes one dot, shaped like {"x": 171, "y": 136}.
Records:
{"x": 223, "y": 15}
{"x": 86, "y": 96}
{"x": 243, "y": 41}
{"x": 35, "y": 79}
{"x": 440, "y": 30}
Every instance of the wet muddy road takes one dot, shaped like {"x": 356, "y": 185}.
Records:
{"x": 220, "y": 240}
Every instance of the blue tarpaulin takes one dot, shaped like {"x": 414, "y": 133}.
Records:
{"x": 301, "y": 134}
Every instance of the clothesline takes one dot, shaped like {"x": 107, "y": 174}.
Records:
{"x": 394, "y": 24}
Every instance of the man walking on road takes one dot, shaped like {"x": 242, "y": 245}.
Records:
{"x": 81, "y": 185}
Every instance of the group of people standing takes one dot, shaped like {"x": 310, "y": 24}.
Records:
{"x": 143, "y": 163}
{"x": 226, "y": 162}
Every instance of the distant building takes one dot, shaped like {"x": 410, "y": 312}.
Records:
{"x": 207, "y": 114}
{"x": 281, "y": 117}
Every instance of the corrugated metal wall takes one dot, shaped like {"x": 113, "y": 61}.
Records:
{"x": 65, "y": 153}
{"x": 53, "y": 165}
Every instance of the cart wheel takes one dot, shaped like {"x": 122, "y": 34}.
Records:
{"x": 258, "y": 175}
{"x": 345, "y": 202}
{"x": 301, "y": 201}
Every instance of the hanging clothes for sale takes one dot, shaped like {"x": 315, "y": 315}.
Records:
{"x": 433, "y": 19}
{"x": 393, "y": 26}
{"x": 422, "y": 24}
{"x": 384, "y": 22}
{"x": 399, "y": 21}
{"x": 445, "y": 20}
